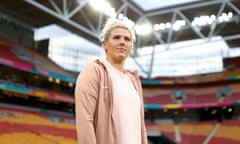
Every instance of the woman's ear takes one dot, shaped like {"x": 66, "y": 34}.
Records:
{"x": 104, "y": 46}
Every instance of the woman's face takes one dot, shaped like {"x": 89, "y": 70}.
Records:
{"x": 118, "y": 45}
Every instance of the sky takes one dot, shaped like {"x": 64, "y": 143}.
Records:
{"x": 50, "y": 31}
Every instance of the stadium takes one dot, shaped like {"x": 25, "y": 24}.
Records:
{"x": 187, "y": 54}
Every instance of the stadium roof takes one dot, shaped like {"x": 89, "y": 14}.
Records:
{"x": 79, "y": 17}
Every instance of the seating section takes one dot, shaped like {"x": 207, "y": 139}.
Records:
{"x": 228, "y": 130}
{"x": 158, "y": 99}
{"x": 24, "y": 127}
{"x": 8, "y": 54}
{"x": 34, "y": 128}
{"x": 30, "y": 57}
{"x": 193, "y": 95}
{"x": 20, "y": 127}
{"x": 197, "y": 132}
{"x": 46, "y": 63}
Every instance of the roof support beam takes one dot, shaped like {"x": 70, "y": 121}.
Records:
{"x": 170, "y": 31}
{"x": 65, "y": 14}
{"x": 76, "y": 9}
{"x": 151, "y": 62}
{"x": 65, "y": 9}
{"x": 204, "y": 3}
{"x": 232, "y": 37}
{"x": 56, "y": 8}
{"x": 233, "y": 7}
{"x": 123, "y": 6}
{"x": 100, "y": 23}
{"x": 213, "y": 26}
{"x": 62, "y": 17}
{"x": 133, "y": 7}
{"x": 197, "y": 31}
{"x": 86, "y": 19}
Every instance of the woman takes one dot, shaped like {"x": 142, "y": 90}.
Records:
{"x": 108, "y": 99}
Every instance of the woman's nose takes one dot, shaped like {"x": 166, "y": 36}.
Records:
{"x": 122, "y": 41}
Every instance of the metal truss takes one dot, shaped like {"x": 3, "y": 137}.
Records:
{"x": 64, "y": 13}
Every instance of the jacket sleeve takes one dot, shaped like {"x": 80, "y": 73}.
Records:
{"x": 85, "y": 103}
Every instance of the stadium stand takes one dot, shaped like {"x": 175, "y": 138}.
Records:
{"x": 23, "y": 126}
{"x": 37, "y": 102}
{"x": 197, "y": 132}
{"x": 36, "y": 96}
{"x": 43, "y": 127}
{"x": 201, "y": 117}
{"x": 32, "y": 78}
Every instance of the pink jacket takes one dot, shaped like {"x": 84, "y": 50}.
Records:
{"x": 93, "y": 105}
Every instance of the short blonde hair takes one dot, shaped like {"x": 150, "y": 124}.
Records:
{"x": 113, "y": 23}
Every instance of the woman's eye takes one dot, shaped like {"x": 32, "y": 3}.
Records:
{"x": 116, "y": 37}
{"x": 127, "y": 38}
{"x": 119, "y": 37}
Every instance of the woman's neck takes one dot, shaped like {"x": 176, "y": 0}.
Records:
{"x": 118, "y": 66}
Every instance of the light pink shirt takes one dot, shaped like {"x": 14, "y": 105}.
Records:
{"x": 126, "y": 108}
